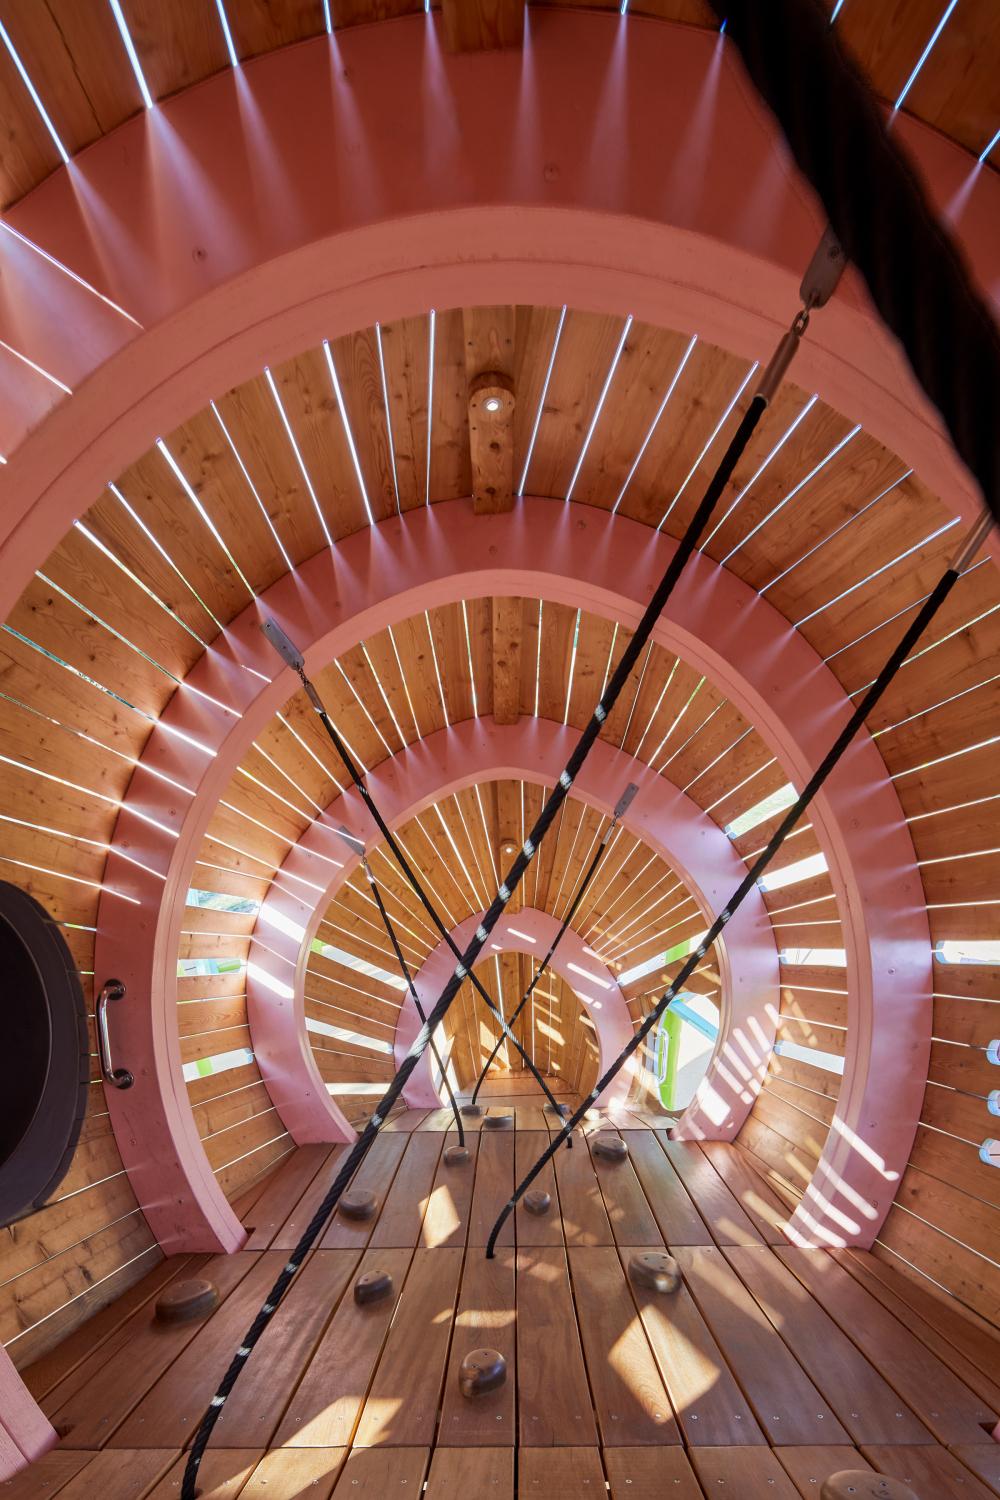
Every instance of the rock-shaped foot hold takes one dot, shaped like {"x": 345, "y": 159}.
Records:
{"x": 537, "y": 1201}
{"x": 184, "y": 1301}
{"x": 610, "y": 1148}
{"x": 865, "y": 1484}
{"x": 372, "y": 1286}
{"x": 481, "y": 1371}
{"x": 654, "y": 1271}
{"x": 358, "y": 1205}
{"x": 498, "y": 1122}
{"x": 456, "y": 1156}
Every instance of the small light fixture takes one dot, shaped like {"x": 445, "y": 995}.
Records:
{"x": 509, "y": 848}
{"x": 492, "y": 403}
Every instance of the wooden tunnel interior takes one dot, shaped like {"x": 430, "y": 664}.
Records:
{"x": 465, "y": 504}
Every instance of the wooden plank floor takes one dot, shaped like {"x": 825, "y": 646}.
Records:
{"x": 770, "y": 1368}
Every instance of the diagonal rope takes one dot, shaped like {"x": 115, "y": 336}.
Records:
{"x": 769, "y": 382}
{"x": 581, "y": 892}
{"x": 405, "y": 970}
{"x": 880, "y": 214}
{"x": 922, "y": 619}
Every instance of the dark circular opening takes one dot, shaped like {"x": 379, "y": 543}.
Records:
{"x": 45, "y": 1059}
{"x": 24, "y": 1057}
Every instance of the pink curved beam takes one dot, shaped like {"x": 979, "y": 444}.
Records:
{"x": 675, "y": 202}
{"x": 529, "y": 931}
{"x": 586, "y": 559}
{"x": 466, "y": 755}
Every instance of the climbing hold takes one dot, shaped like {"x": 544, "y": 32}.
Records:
{"x": 498, "y": 1122}
{"x": 654, "y": 1271}
{"x": 183, "y": 1301}
{"x": 481, "y": 1371}
{"x": 610, "y": 1147}
{"x": 358, "y": 1205}
{"x": 456, "y": 1156}
{"x": 372, "y": 1286}
{"x": 558, "y": 1109}
{"x": 538, "y": 1201}
{"x": 472, "y": 1110}
{"x": 865, "y": 1484}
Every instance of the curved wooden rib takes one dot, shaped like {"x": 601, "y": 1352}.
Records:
{"x": 607, "y": 565}
{"x": 464, "y": 755}
{"x": 716, "y": 246}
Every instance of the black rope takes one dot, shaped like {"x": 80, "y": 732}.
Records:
{"x": 609, "y": 697}
{"x": 410, "y": 875}
{"x": 927, "y": 612}
{"x": 405, "y": 969}
{"x": 879, "y": 212}
{"x": 588, "y": 877}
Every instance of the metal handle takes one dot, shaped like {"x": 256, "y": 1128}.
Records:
{"x": 119, "y": 1078}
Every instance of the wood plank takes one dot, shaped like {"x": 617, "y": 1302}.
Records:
{"x": 477, "y": 25}
{"x": 326, "y": 1405}
{"x": 632, "y": 1406}
{"x": 762, "y": 1207}
{"x": 45, "y": 1476}
{"x": 221, "y": 1476}
{"x": 650, "y": 1474}
{"x": 494, "y": 1187}
{"x": 446, "y": 1222}
{"x": 402, "y": 1405}
{"x": 402, "y": 1216}
{"x": 629, "y": 1214}
{"x": 711, "y": 1408}
{"x": 105, "y": 1389}
{"x": 951, "y": 1411}
{"x": 486, "y": 1319}
{"x": 750, "y": 1473}
{"x": 537, "y": 1229}
{"x": 679, "y": 1221}
{"x": 930, "y": 1471}
{"x": 944, "y": 1336}
{"x": 867, "y": 1406}
{"x": 371, "y": 1473}
{"x": 287, "y": 1474}
{"x": 125, "y": 1473}
{"x": 983, "y": 1459}
{"x": 809, "y": 1467}
{"x": 560, "y": 1474}
{"x": 374, "y": 1175}
{"x": 172, "y": 1409}
{"x": 461, "y": 1473}
{"x": 581, "y": 1202}
{"x": 554, "y": 1406}
{"x": 281, "y": 1193}
{"x": 783, "y": 1398}
{"x": 713, "y": 1200}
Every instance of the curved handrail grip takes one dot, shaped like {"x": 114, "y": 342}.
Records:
{"x": 118, "y": 1078}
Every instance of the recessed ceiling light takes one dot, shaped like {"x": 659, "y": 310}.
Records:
{"x": 492, "y": 403}
{"x": 509, "y": 848}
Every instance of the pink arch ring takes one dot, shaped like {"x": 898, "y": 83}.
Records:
{"x": 528, "y": 931}
{"x": 608, "y": 565}
{"x": 446, "y": 762}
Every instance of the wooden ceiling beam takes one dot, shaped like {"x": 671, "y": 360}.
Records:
{"x": 482, "y": 25}
{"x": 507, "y": 636}
{"x": 489, "y": 367}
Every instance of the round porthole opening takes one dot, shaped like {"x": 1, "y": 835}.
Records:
{"x": 45, "y": 1061}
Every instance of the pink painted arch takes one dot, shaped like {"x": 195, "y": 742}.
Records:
{"x": 465, "y": 755}
{"x": 674, "y": 201}
{"x": 586, "y": 559}
{"x": 529, "y": 931}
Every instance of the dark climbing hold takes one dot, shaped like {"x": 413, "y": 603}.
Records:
{"x": 865, "y": 1484}
{"x": 472, "y": 1110}
{"x": 481, "y": 1371}
{"x": 456, "y": 1156}
{"x": 537, "y": 1201}
{"x": 498, "y": 1122}
{"x": 610, "y": 1147}
{"x": 183, "y": 1301}
{"x": 655, "y": 1271}
{"x": 373, "y": 1286}
{"x": 558, "y": 1109}
{"x": 358, "y": 1205}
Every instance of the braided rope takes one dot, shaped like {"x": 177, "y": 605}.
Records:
{"x": 581, "y": 892}
{"x": 612, "y": 690}
{"x": 879, "y": 212}
{"x": 408, "y": 977}
{"x": 916, "y": 628}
